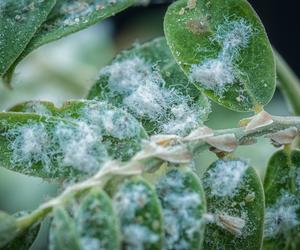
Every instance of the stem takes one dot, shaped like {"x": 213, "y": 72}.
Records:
{"x": 289, "y": 83}
{"x": 148, "y": 162}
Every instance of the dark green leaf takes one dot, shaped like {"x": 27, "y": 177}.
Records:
{"x": 282, "y": 191}
{"x": 147, "y": 81}
{"x": 8, "y": 228}
{"x": 121, "y": 133}
{"x": 25, "y": 240}
{"x": 97, "y": 222}
{"x": 69, "y": 16}
{"x": 235, "y": 200}
{"x": 140, "y": 215}
{"x": 19, "y": 21}
{"x": 222, "y": 47}
{"x": 63, "y": 234}
{"x": 183, "y": 202}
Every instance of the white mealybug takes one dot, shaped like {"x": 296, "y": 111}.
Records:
{"x": 217, "y": 73}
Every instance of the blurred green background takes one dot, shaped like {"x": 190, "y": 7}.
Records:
{"x": 66, "y": 69}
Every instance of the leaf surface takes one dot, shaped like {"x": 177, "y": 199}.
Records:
{"x": 69, "y": 16}
{"x": 147, "y": 81}
{"x": 282, "y": 191}
{"x": 223, "y": 48}
{"x": 19, "y": 21}
{"x": 183, "y": 201}
{"x": 140, "y": 215}
{"x": 235, "y": 199}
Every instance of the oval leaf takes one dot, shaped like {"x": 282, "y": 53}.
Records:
{"x": 282, "y": 191}
{"x": 222, "y": 47}
{"x": 19, "y": 21}
{"x": 8, "y": 228}
{"x": 48, "y": 147}
{"x": 235, "y": 200}
{"x": 147, "y": 81}
{"x": 120, "y": 132}
{"x": 140, "y": 215}
{"x": 63, "y": 234}
{"x": 97, "y": 222}
{"x": 69, "y": 16}
{"x": 183, "y": 202}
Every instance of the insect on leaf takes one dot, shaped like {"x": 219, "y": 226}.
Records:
{"x": 140, "y": 215}
{"x": 235, "y": 200}
{"x": 97, "y": 222}
{"x": 149, "y": 84}
{"x": 183, "y": 201}
{"x": 63, "y": 234}
{"x": 121, "y": 133}
{"x": 223, "y": 48}
{"x": 282, "y": 191}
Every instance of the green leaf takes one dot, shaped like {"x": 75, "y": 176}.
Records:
{"x": 121, "y": 133}
{"x": 8, "y": 228}
{"x": 63, "y": 234}
{"x": 25, "y": 240}
{"x": 183, "y": 201}
{"x": 19, "y": 21}
{"x": 69, "y": 16}
{"x": 147, "y": 81}
{"x": 97, "y": 222}
{"x": 223, "y": 48}
{"x": 140, "y": 215}
{"x": 235, "y": 200}
{"x": 48, "y": 147}
{"x": 282, "y": 191}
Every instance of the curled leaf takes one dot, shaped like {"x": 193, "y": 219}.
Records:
{"x": 284, "y": 137}
{"x": 224, "y": 143}
{"x": 260, "y": 120}
{"x": 199, "y": 133}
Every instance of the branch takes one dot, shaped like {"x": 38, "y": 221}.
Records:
{"x": 173, "y": 149}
